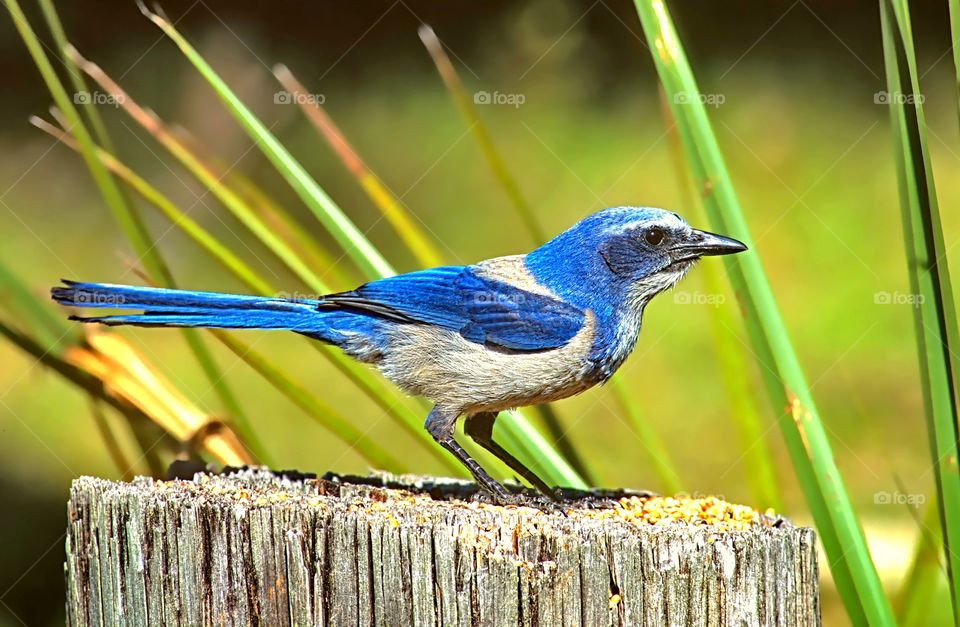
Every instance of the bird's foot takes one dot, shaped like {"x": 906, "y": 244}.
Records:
{"x": 550, "y": 504}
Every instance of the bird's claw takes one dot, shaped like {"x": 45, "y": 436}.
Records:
{"x": 551, "y": 503}
{"x": 546, "y": 503}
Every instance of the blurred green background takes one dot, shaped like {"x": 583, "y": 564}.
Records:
{"x": 805, "y": 134}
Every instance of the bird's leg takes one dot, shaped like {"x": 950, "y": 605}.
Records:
{"x": 480, "y": 428}
{"x": 441, "y": 426}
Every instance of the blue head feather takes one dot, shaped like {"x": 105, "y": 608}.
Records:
{"x": 602, "y": 258}
{"x": 612, "y": 263}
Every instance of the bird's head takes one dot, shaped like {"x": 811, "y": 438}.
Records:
{"x": 631, "y": 252}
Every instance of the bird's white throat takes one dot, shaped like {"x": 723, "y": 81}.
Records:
{"x": 640, "y": 293}
{"x": 646, "y": 288}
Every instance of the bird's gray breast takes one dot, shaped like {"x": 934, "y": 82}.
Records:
{"x": 444, "y": 366}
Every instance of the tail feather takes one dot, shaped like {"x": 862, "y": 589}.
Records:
{"x": 183, "y": 308}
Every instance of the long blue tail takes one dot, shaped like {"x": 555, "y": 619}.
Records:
{"x": 183, "y": 308}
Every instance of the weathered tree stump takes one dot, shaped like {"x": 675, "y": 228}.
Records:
{"x": 255, "y": 548}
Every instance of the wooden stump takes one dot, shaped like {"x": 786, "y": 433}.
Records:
{"x": 255, "y": 548}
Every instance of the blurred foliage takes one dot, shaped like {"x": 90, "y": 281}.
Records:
{"x": 935, "y": 313}
{"x": 811, "y": 455}
{"x": 807, "y": 145}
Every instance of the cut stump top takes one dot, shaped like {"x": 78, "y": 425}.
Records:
{"x": 255, "y": 547}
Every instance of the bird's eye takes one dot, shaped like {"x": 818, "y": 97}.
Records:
{"x": 654, "y": 236}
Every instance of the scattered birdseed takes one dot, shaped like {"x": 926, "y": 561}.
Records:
{"x": 665, "y": 510}
{"x": 638, "y": 510}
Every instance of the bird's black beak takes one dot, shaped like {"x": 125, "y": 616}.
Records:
{"x": 703, "y": 244}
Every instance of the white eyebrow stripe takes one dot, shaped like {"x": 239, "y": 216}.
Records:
{"x": 623, "y": 228}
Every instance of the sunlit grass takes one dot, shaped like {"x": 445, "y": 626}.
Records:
{"x": 935, "y": 312}
{"x": 759, "y": 465}
{"x": 126, "y": 214}
{"x": 517, "y": 433}
{"x": 404, "y": 223}
{"x": 356, "y": 246}
{"x": 810, "y": 451}
{"x": 814, "y": 335}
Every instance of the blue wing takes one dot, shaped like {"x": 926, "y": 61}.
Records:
{"x": 483, "y": 310}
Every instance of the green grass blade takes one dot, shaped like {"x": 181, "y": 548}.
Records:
{"x": 126, "y": 215}
{"x": 509, "y": 185}
{"x": 560, "y": 436}
{"x": 356, "y": 245}
{"x": 180, "y": 219}
{"x": 230, "y": 199}
{"x": 650, "y": 440}
{"x": 357, "y": 373}
{"x": 465, "y": 104}
{"x": 413, "y": 238}
{"x": 920, "y": 585}
{"x": 396, "y": 213}
{"x": 840, "y": 531}
{"x": 326, "y": 265}
{"x": 313, "y": 406}
{"x": 935, "y": 313}
{"x": 76, "y": 76}
{"x": 237, "y": 418}
{"x": 53, "y": 330}
{"x": 346, "y": 233}
{"x": 353, "y": 242}
{"x": 329, "y": 267}
{"x": 534, "y": 450}
{"x": 761, "y": 469}
{"x": 955, "y": 36}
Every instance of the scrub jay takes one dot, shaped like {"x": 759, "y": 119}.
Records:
{"x": 476, "y": 340}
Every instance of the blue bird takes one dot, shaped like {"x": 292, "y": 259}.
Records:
{"x": 476, "y": 340}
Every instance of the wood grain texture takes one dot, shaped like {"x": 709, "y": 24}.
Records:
{"x": 254, "y": 548}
